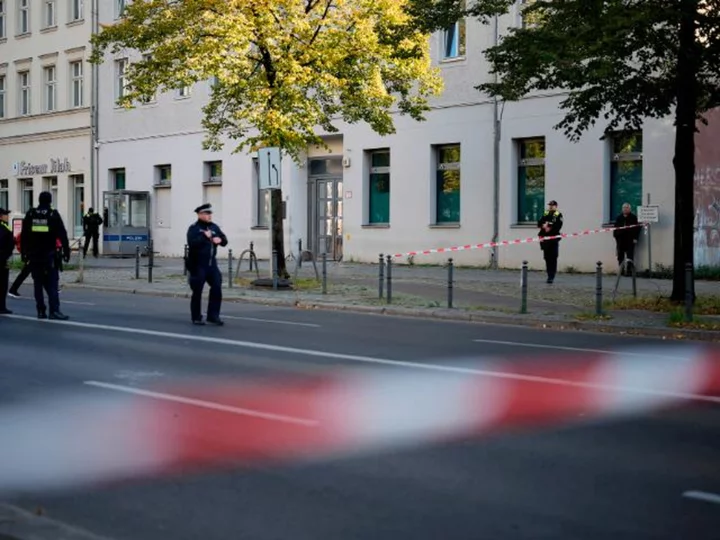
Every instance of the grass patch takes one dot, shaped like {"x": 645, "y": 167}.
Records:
{"x": 590, "y": 316}
{"x": 677, "y": 320}
{"x": 704, "y": 305}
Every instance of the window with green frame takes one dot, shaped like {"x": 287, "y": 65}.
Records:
{"x": 118, "y": 178}
{"x": 379, "y": 199}
{"x": 531, "y": 179}
{"x": 447, "y": 195}
{"x": 625, "y": 172}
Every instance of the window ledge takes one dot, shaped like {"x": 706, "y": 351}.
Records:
{"x": 3, "y": 40}
{"x": 162, "y": 186}
{"x": 76, "y": 22}
{"x": 444, "y": 226}
{"x": 49, "y": 29}
{"x": 259, "y": 228}
{"x": 453, "y": 60}
{"x": 23, "y": 36}
{"x": 181, "y": 98}
{"x": 376, "y": 226}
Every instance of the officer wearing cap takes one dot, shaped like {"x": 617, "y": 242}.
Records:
{"x": 7, "y": 244}
{"x": 42, "y": 228}
{"x": 550, "y": 225}
{"x": 203, "y": 238}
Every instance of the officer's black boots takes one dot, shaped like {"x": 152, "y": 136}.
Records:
{"x": 59, "y": 316}
{"x": 42, "y": 314}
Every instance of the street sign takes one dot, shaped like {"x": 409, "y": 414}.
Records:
{"x": 269, "y": 162}
{"x": 649, "y": 213}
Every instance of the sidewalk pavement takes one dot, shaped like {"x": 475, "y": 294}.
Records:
{"x": 420, "y": 291}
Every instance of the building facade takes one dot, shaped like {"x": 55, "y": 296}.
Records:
{"x": 45, "y": 107}
{"x": 429, "y": 185}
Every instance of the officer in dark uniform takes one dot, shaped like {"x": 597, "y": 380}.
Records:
{"x": 7, "y": 245}
{"x": 91, "y": 230}
{"x": 203, "y": 238}
{"x": 42, "y": 227}
{"x": 550, "y": 225}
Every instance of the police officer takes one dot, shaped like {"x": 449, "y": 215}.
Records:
{"x": 550, "y": 225}
{"x": 91, "y": 230}
{"x": 7, "y": 245}
{"x": 42, "y": 227}
{"x": 203, "y": 238}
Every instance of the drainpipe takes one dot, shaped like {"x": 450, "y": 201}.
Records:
{"x": 496, "y": 162}
{"x": 94, "y": 94}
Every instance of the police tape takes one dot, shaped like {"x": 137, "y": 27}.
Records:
{"x": 130, "y": 432}
{"x": 518, "y": 241}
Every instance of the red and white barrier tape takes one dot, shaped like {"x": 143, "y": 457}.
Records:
{"x": 96, "y": 439}
{"x": 530, "y": 240}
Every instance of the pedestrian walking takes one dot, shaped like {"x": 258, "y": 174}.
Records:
{"x": 550, "y": 224}
{"x": 7, "y": 245}
{"x": 626, "y": 239}
{"x": 203, "y": 239}
{"x": 42, "y": 228}
{"x": 91, "y": 230}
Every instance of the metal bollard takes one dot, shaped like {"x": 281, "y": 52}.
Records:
{"x": 185, "y": 256}
{"x": 299, "y": 262}
{"x": 450, "y": 283}
{"x": 523, "y": 287}
{"x": 151, "y": 260}
{"x": 230, "y": 276}
{"x": 634, "y": 280}
{"x": 324, "y": 273}
{"x": 688, "y": 292}
{"x": 274, "y": 269}
{"x": 381, "y": 279}
{"x": 252, "y": 253}
{"x": 389, "y": 278}
{"x": 137, "y": 262}
{"x": 598, "y": 289}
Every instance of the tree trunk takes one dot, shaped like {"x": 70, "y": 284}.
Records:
{"x": 278, "y": 236}
{"x": 684, "y": 160}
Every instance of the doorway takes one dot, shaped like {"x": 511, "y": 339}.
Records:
{"x": 325, "y": 193}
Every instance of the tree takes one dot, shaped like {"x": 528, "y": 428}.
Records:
{"x": 283, "y": 69}
{"x": 621, "y": 61}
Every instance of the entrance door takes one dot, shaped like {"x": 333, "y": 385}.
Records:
{"x": 326, "y": 225}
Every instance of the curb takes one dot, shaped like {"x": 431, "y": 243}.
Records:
{"x": 17, "y": 524}
{"x": 445, "y": 315}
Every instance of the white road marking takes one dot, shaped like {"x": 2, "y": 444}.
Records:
{"x": 377, "y": 361}
{"x": 702, "y": 496}
{"x": 575, "y": 349}
{"x": 62, "y": 301}
{"x": 271, "y": 321}
{"x": 204, "y": 404}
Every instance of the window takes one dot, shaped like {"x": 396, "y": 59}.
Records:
{"x": 3, "y": 15}
{"x": 78, "y": 203}
{"x": 151, "y": 99}
{"x": 76, "y": 84}
{"x": 2, "y": 96}
{"x": 26, "y": 202}
{"x": 531, "y": 180}
{"x": 49, "y": 88}
{"x": 379, "y": 199}
{"x": 119, "y": 8}
{"x": 454, "y": 39}
{"x": 77, "y": 8}
{"x": 24, "y": 17}
{"x": 49, "y": 19}
{"x": 4, "y": 194}
{"x": 625, "y": 171}
{"x": 447, "y": 195}
{"x": 120, "y": 82}
{"x": 213, "y": 172}
{"x": 117, "y": 179}
{"x": 50, "y": 184}
{"x": 183, "y": 92}
{"x": 262, "y": 212}
{"x": 24, "y": 82}
{"x": 163, "y": 175}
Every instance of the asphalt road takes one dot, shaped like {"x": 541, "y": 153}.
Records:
{"x": 620, "y": 479}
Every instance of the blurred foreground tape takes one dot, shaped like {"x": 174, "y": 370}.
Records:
{"x": 127, "y": 433}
